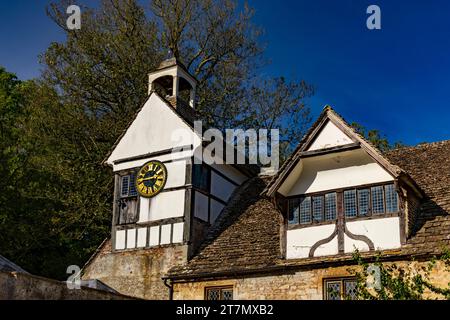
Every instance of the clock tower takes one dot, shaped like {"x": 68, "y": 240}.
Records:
{"x": 164, "y": 204}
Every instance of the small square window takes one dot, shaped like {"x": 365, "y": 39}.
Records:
{"x": 219, "y": 293}
{"x": 340, "y": 289}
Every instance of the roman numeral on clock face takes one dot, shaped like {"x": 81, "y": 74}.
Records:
{"x": 151, "y": 178}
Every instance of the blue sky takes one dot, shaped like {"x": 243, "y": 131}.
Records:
{"x": 396, "y": 79}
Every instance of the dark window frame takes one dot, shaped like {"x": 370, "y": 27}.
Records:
{"x": 221, "y": 290}
{"x": 297, "y": 224}
{"x": 322, "y": 208}
{"x": 369, "y": 206}
{"x": 126, "y": 198}
{"x": 313, "y": 221}
{"x": 386, "y": 199}
{"x": 383, "y": 201}
{"x": 131, "y": 183}
{"x": 345, "y": 204}
{"x": 341, "y": 281}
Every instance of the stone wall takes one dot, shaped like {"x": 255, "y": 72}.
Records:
{"x": 135, "y": 273}
{"x": 23, "y": 286}
{"x": 299, "y": 285}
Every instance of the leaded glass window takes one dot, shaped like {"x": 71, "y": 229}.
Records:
{"x": 350, "y": 205}
{"x": 350, "y": 289}
{"x": 377, "y": 200}
{"x": 128, "y": 187}
{"x": 330, "y": 206}
{"x": 333, "y": 290}
{"x": 293, "y": 211}
{"x": 219, "y": 293}
{"x": 213, "y": 294}
{"x": 227, "y": 294}
{"x": 132, "y": 188}
{"x": 391, "y": 198}
{"x": 341, "y": 289}
{"x": 317, "y": 203}
{"x": 125, "y": 186}
{"x": 305, "y": 210}
{"x": 363, "y": 202}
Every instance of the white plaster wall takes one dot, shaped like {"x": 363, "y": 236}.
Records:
{"x": 154, "y": 236}
{"x": 177, "y": 236}
{"x": 327, "y": 249}
{"x": 141, "y": 237}
{"x": 144, "y": 209}
{"x": 221, "y": 187}
{"x": 340, "y": 170}
{"x": 120, "y": 239}
{"x": 201, "y": 206}
{"x": 351, "y": 245}
{"x": 155, "y": 128}
{"x": 176, "y": 177}
{"x": 330, "y": 136}
{"x": 384, "y": 232}
{"x": 131, "y": 238}
{"x": 216, "y": 209}
{"x": 176, "y": 174}
{"x": 166, "y": 205}
{"x": 300, "y": 241}
{"x": 165, "y": 234}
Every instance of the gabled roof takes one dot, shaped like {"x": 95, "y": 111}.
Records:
{"x": 187, "y": 114}
{"x": 246, "y": 238}
{"x": 328, "y": 114}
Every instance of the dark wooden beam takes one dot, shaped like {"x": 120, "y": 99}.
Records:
{"x": 320, "y": 152}
{"x": 155, "y": 154}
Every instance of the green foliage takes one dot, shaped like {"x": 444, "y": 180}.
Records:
{"x": 55, "y": 196}
{"x": 399, "y": 282}
{"x": 50, "y": 217}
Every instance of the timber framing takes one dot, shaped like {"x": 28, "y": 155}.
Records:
{"x": 188, "y": 147}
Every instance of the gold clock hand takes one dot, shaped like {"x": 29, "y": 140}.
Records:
{"x": 152, "y": 177}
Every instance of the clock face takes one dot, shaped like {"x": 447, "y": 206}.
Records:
{"x": 151, "y": 178}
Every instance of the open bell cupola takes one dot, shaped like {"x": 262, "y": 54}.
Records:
{"x": 174, "y": 82}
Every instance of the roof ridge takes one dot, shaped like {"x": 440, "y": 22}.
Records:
{"x": 124, "y": 131}
{"x": 418, "y": 146}
{"x": 329, "y": 114}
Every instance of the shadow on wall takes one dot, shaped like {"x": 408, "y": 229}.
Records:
{"x": 23, "y": 286}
